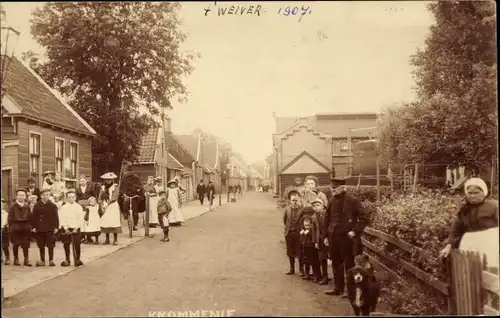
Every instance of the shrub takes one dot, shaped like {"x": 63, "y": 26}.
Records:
{"x": 364, "y": 193}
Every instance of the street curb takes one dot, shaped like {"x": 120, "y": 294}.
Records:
{"x": 72, "y": 268}
{"x": 69, "y": 270}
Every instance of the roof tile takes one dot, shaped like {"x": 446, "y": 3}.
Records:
{"x": 148, "y": 146}
{"x": 36, "y": 100}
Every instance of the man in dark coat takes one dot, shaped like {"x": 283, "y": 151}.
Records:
{"x": 19, "y": 222}
{"x": 131, "y": 195}
{"x": 201, "y": 190}
{"x": 45, "y": 223}
{"x": 210, "y": 189}
{"x": 32, "y": 189}
{"x": 345, "y": 220}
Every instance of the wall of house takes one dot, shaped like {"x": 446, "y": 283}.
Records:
{"x": 143, "y": 171}
{"x": 47, "y": 149}
{"x": 302, "y": 140}
{"x": 9, "y": 163}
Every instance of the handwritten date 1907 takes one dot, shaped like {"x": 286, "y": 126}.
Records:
{"x": 295, "y": 11}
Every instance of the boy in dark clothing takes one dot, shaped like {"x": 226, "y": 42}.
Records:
{"x": 19, "y": 222}
{"x": 291, "y": 221}
{"x": 319, "y": 218}
{"x": 164, "y": 210}
{"x": 45, "y": 222}
{"x": 309, "y": 239}
{"x": 201, "y": 189}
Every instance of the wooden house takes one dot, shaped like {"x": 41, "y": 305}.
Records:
{"x": 40, "y": 132}
{"x": 316, "y": 145}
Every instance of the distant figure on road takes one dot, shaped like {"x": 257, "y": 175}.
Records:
{"x": 291, "y": 221}
{"x": 201, "y": 190}
{"x": 45, "y": 222}
{"x": 164, "y": 210}
{"x": 174, "y": 198}
{"x": 210, "y": 189}
{"x": 19, "y": 222}
{"x": 345, "y": 220}
{"x": 108, "y": 200}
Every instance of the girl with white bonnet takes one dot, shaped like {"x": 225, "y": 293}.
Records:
{"x": 476, "y": 225}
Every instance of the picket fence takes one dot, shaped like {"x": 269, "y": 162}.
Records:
{"x": 469, "y": 286}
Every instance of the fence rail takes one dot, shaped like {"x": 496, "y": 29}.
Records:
{"x": 469, "y": 283}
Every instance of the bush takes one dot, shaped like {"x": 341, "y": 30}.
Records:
{"x": 421, "y": 219}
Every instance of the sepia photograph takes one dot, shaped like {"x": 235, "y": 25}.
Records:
{"x": 231, "y": 159}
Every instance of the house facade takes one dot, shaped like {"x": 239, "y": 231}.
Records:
{"x": 319, "y": 145}
{"x": 40, "y": 132}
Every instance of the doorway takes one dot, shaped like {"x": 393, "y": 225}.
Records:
{"x": 7, "y": 186}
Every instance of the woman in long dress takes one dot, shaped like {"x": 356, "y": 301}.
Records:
{"x": 108, "y": 200}
{"x": 174, "y": 198}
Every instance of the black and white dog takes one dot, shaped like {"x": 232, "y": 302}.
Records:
{"x": 362, "y": 289}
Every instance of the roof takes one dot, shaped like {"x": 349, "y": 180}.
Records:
{"x": 304, "y": 155}
{"x": 178, "y": 150}
{"x": 40, "y": 102}
{"x": 148, "y": 146}
{"x": 173, "y": 164}
{"x": 209, "y": 154}
{"x": 190, "y": 142}
{"x": 337, "y": 125}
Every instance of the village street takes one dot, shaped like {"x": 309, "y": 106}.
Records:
{"x": 231, "y": 258}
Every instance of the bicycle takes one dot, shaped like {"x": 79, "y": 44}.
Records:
{"x": 130, "y": 215}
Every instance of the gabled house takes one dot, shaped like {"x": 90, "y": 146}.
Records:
{"x": 40, "y": 132}
{"x": 318, "y": 145}
{"x": 154, "y": 159}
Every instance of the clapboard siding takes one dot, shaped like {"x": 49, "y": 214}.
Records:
{"x": 9, "y": 161}
{"x": 144, "y": 170}
{"x": 47, "y": 150}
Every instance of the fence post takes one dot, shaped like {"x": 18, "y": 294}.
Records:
{"x": 415, "y": 178}
{"x": 146, "y": 215}
{"x": 391, "y": 176}
{"x": 378, "y": 179}
{"x": 359, "y": 182}
{"x": 493, "y": 173}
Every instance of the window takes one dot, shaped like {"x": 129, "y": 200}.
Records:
{"x": 34, "y": 150}
{"x": 59, "y": 154}
{"x": 344, "y": 146}
{"x": 73, "y": 156}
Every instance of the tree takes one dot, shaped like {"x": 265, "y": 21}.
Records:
{"x": 454, "y": 117}
{"x": 110, "y": 60}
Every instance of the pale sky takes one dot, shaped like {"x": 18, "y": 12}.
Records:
{"x": 342, "y": 57}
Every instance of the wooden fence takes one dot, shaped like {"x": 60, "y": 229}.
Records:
{"x": 468, "y": 287}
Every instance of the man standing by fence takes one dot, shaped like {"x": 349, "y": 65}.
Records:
{"x": 345, "y": 220}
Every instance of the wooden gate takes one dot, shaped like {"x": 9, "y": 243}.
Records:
{"x": 470, "y": 285}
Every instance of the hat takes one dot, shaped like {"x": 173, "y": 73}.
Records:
{"x": 109, "y": 176}
{"x": 70, "y": 191}
{"x": 338, "y": 181}
{"x": 3, "y": 200}
{"x": 158, "y": 179}
{"x": 171, "y": 181}
{"x": 48, "y": 172}
{"x": 293, "y": 192}
{"x": 21, "y": 189}
{"x": 43, "y": 190}
{"x": 161, "y": 192}
{"x": 209, "y": 181}
{"x": 478, "y": 182}
{"x": 317, "y": 200}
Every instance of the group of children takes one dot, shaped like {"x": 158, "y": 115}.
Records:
{"x": 46, "y": 223}
{"x": 304, "y": 227}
